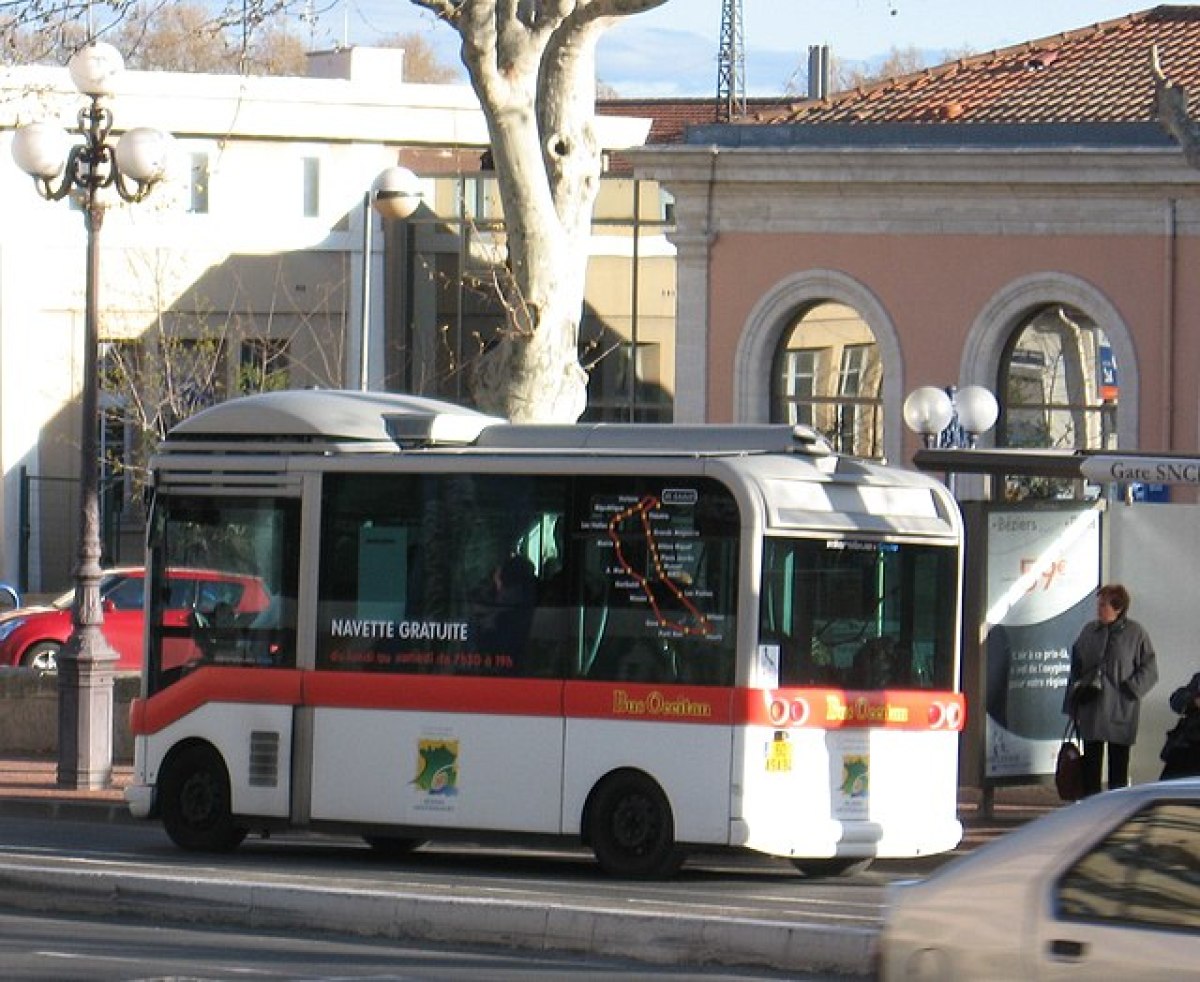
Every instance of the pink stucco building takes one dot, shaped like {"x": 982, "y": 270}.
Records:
{"x": 1018, "y": 220}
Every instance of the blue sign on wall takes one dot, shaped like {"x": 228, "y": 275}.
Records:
{"x": 1107, "y": 368}
{"x": 1158, "y": 494}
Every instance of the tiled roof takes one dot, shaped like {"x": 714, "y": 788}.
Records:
{"x": 671, "y": 117}
{"x": 1098, "y": 74}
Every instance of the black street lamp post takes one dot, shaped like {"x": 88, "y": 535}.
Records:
{"x": 131, "y": 167}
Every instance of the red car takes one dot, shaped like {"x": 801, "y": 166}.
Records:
{"x": 31, "y": 637}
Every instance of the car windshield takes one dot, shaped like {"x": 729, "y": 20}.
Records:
{"x": 64, "y": 601}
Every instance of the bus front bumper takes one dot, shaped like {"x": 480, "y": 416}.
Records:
{"x": 140, "y": 798}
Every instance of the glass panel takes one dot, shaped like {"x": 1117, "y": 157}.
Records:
{"x": 443, "y": 574}
{"x": 860, "y": 615}
{"x": 264, "y": 365}
{"x": 491, "y": 574}
{"x": 1146, "y": 872}
{"x": 198, "y": 185}
{"x": 193, "y": 375}
{"x": 312, "y": 187}
{"x": 827, "y": 375}
{"x": 624, "y": 383}
{"x": 126, "y": 593}
{"x": 659, "y": 580}
{"x": 800, "y": 385}
{"x": 1060, "y": 384}
{"x": 242, "y": 567}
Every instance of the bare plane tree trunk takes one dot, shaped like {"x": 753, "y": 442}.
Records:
{"x": 532, "y": 64}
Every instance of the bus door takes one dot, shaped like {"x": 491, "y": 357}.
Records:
{"x": 221, "y": 638}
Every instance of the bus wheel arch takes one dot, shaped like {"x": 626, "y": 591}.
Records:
{"x": 629, "y": 825}
{"x": 195, "y": 799}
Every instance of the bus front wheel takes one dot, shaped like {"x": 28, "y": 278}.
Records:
{"x": 631, "y": 829}
{"x": 196, "y": 804}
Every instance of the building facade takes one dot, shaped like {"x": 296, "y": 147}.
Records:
{"x": 244, "y": 270}
{"x": 1017, "y": 220}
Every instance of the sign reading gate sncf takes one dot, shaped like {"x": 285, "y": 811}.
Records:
{"x": 1103, "y": 468}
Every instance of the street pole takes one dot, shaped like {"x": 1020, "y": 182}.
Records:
{"x": 85, "y": 666}
{"x": 364, "y": 334}
{"x": 131, "y": 167}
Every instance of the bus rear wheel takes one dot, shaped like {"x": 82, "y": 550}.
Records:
{"x": 837, "y": 866}
{"x": 196, "y": 804}
{"x": 392, "y": 846}
{"x": 631, "y": 828}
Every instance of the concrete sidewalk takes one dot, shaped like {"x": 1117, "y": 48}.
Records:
{"x": 29, "y": 786}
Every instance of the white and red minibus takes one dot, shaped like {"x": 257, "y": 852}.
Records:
{"x": 648, "y": 639}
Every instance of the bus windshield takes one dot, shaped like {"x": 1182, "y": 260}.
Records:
{"x": 859, "y": 614}
{"x": 245, "y": 552}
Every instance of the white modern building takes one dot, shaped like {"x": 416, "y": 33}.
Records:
{"x": 246, "y": 262}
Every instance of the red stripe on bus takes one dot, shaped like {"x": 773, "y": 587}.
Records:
{"x": 638, "y": 701}
{"x": 828, "y": 709}
{"x": 435, "y": 693}
{"x": 269, "y": 686}
{"x": 488, "y": 695}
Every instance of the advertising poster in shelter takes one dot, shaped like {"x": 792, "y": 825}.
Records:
{"x": 1043, "y": 567}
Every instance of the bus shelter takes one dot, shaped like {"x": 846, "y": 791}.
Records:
{"x": 1031, "y": 571}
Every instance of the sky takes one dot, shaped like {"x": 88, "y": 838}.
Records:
{"x": 672, "y": 50}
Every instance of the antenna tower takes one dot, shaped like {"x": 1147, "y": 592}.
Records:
{"x": 731, "y": 64}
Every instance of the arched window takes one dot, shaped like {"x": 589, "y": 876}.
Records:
{"x": 1059, "y": 380}
{"x": 826, "y": 374}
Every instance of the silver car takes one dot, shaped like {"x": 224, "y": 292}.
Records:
{"x": 1106, "y": 888}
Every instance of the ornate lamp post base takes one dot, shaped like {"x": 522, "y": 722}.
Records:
{"x": 85, "y": 710}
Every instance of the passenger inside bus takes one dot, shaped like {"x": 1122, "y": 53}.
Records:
{"x": 505, "y": 610}
{"x": 643, "y": 663}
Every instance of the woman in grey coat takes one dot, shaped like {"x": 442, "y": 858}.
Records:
{"x": 1112, "y": 668}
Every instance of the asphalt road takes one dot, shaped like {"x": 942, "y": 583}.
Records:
{"x": 722, "y": 910}
{"x": 56, "y": 948}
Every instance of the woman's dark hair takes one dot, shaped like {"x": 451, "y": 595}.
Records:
{"x": 1116, "y": 596}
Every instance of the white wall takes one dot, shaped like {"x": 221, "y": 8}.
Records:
{"x": 1155, "y": 551}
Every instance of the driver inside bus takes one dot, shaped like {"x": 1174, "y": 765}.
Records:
{"x": 876, "y": 665}
{"x": 274, "y": 632}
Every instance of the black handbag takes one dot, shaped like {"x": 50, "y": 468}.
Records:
{"x": 1068, "y": 769}
{"x": 1183, "y": 736}
{"x": 1087, "y": 688}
